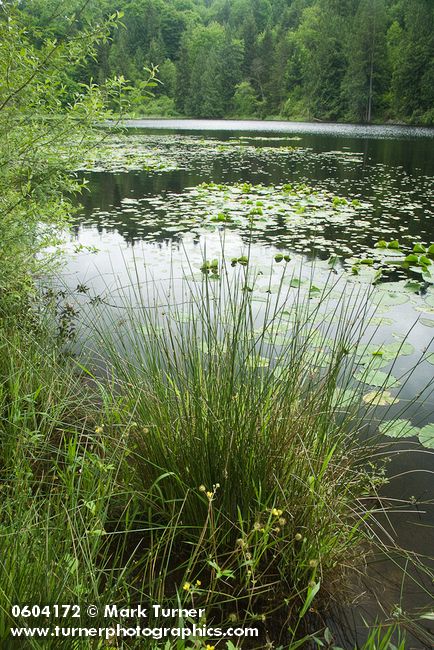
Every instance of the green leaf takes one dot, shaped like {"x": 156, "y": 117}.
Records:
{"x": 424, "y": 260}
{"x": 380, "y": 398}
{"x": 389, "y": 298}
{"x": 311, "y": 593}
{"x": 375, "y": 377}
{"x": 428, "y": 322}
{"x": 426, "y": 436}
{"x": 398, "y": 429}
{"x": 413, "y": 285}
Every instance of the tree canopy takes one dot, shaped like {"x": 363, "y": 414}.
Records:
{"x": 349, "y": 60}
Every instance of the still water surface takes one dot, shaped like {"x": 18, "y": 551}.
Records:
{"x": 158, "y": 217}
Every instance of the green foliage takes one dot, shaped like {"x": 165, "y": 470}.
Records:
{"x": 36, "y": 132}
{"x": 245, "y": 102}
{"x": 365, "y": 81}
{"x": 357, "y": 60}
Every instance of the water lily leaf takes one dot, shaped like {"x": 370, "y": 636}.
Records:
{"x": 380, "y": 320}
{"x": 430, "y": 358}
{"x": 386, "y": 351}
{"x": 426, "y": 436}
{"x": 380, "y": 398}
{"x": 389, "y": 298}
{"x": 375, "y": 377}
{"x": 398, "y": 429}
{"x": 398, "y": 348}
{"x": 413, "y": 286}
{"x": 429, "y": 300}
{"x": 428, "y": 322}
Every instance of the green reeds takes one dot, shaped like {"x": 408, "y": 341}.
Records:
{"x": 241, "y": 440}
{"x": 216, "y": 458}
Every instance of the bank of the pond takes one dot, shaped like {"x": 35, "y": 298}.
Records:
{"x": 194, "y": 470}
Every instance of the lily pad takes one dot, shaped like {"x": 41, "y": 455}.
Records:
{"x": 428, "y": 322}
{"x": 389, "y": 298}
{"x": 375, "y": 377}
{"x": 380, "y": 398}
{"x": 426, "y": 436}
{"x": 398, "y": 429}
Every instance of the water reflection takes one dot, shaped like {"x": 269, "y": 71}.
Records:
{"x": 389, "y": 167}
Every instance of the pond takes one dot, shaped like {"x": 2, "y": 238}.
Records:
{"x": 357, "y": 201}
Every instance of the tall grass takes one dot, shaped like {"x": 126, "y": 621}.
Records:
{"x": 59, "y": 487}
{"x": 240, "y": 440}
{"x": 216, "y": 459}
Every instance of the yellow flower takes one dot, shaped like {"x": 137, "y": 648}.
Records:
{"x": 313, "y": 563}
{"x": 276, "y": 512}
{"x": 186, "y": 586}
{"x": 99, "y": 429}
{"x": 198, "y": 583}
{"x": 298, "y": 537}
{"x": 202, "y": 488}
{"x": 282, "y": 521}
{"x": 209, "y": 495}
{"x": 209, "y": 647}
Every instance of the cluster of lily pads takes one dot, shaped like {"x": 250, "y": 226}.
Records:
{"x": 123, "y": 153}
{"x": 291, "y": 216}
{"x": 257, "y": 207}
{"x": 402, "y": 428}
{"x": 129, "y": 151}
{"x": 387, "y": 256}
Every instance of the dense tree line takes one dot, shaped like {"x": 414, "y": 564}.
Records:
{"x": 352, "y": 60}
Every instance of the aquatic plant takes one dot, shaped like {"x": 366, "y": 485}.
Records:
{"x": 247, "y": 442}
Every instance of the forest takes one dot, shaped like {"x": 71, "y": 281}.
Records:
{"x": 329, "y": 60}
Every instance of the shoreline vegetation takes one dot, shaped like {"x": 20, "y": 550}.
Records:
{"x": 221, "y": 462}
{"x": 357, "y": 61}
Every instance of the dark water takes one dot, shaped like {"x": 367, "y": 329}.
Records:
{"x": 153, "y": 218}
